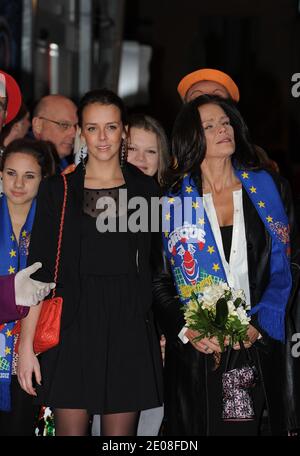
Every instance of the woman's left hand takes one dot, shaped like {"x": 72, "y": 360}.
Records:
{"x": 252, "y": 334}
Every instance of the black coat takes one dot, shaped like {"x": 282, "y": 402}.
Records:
{"x": 185, "y": 367}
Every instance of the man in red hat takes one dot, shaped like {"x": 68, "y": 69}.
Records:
{"x": 10, "y": 98}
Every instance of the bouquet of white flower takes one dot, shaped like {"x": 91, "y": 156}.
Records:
{"x": 218, "y": 311}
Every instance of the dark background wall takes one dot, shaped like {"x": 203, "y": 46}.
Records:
{"x": 10, "y": 34}
{"x": 256, "y": 42}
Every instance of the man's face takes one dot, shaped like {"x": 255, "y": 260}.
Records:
{"x": 2, "y": 111}
{"x": 57, "y": 123}
{"x": 206, "y": 88}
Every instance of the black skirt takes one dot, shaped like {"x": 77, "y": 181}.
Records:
{"x": 108, "y": 359}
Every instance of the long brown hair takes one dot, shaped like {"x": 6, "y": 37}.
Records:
{"x": 148, "y": 123}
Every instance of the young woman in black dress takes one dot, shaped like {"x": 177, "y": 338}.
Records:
{"x": 108, "y": 359}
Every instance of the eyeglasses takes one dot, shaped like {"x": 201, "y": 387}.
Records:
{"x": 64, "y": 126}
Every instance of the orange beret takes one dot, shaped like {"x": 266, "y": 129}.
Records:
{"x": 208, "y": 74}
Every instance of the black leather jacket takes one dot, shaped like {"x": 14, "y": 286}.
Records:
{"x": 185, "y": 393}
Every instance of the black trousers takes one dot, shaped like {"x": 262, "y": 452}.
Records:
{"x": 21, "y": 420}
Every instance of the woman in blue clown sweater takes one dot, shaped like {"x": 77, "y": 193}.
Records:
{"x": 249, "y": 242}
{"x": 23, "y": 164}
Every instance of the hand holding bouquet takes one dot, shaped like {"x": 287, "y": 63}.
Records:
{"x": 218, "y": 311}
{"x": 221, "y": 312}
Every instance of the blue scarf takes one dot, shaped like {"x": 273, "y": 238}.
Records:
{"x": 193, "y": 253}
{"x": 12, "y": 259}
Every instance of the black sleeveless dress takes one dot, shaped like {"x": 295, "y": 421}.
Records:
{"x": 110, "y": 367}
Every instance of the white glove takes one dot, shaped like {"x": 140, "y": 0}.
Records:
{"x": 30, "y": 292}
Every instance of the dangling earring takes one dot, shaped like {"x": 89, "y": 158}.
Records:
{"x": 123, "y": 155}
{"x": 83, "y": 155}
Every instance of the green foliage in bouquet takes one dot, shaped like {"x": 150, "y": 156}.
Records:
{"x": 220, "y": 312}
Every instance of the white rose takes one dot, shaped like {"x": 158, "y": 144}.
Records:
{"x": 239, "y": 294}
{"x": 242, "y": 316}
{"x": 231, "y": 307}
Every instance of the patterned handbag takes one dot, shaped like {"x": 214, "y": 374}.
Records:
{"x": 237, "y": 385}
{"x": 48, "y": 326}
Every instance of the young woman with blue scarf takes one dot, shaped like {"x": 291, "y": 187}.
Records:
{"x": 249, "y": 243}
{"x": 23, "y": 164}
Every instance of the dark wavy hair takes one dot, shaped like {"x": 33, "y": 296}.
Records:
{"x": 104, "y": 97}
{"x": 189, "y": 144}
{"x": 43, "y": 151}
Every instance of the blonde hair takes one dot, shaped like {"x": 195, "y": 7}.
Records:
{"x": 148, "y": 123}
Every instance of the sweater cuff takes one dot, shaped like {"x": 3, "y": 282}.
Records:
{"x": 9, "y": 311}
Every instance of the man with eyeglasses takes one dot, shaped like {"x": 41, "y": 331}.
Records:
{"x": 55, "y": 119}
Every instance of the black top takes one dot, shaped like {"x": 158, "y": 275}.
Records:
{"x": 226, "y": 233}
{"x": 109, "y": 197}
{"x": 106, "y": 250}
{"x": 44, "y": 235}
